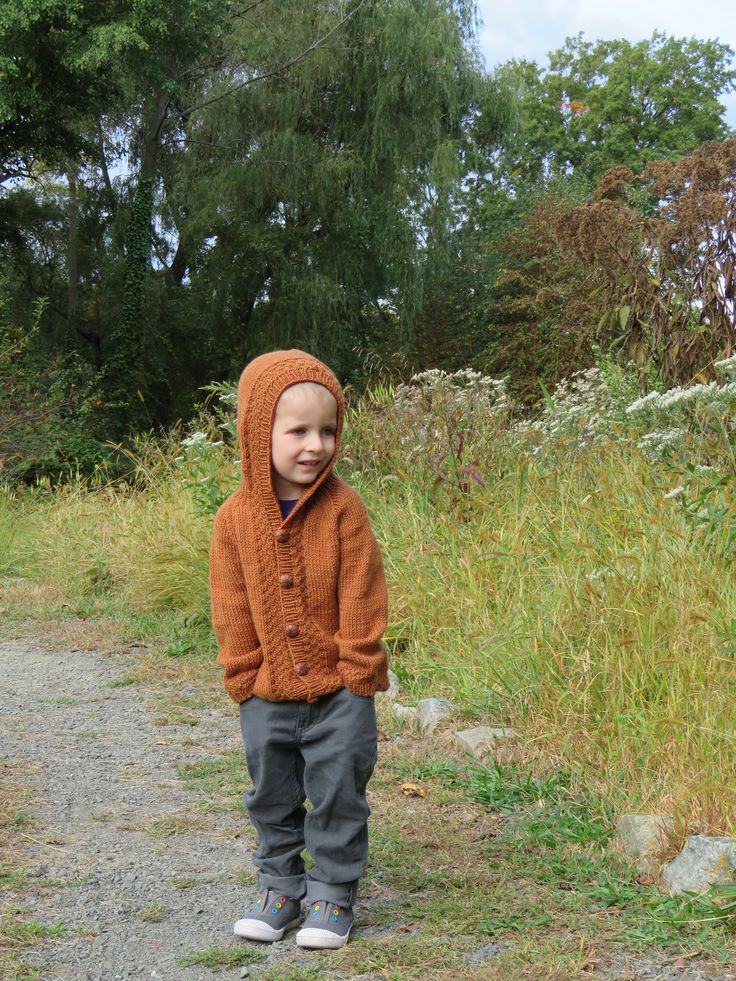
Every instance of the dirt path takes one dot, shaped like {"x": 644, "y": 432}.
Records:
{"x": 129, "y": 873}
{"x": 117, "y": 851}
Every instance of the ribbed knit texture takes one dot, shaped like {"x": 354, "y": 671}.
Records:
{"x": 299, "y": 605}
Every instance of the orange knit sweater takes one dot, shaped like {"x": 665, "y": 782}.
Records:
{"x": 299, "y": 605}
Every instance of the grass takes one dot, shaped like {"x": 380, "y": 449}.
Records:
{"x": 155, "y": 913}
{"x": 220, "y": 779}
{"x": 171, "y": 825}
{"x": 621, "y": 677}
{"x": 16, "y": 934}
{"x": 122, "y": 682}
{"x": 215, "y": 958}
{"x": 515, "y": 851}
{"x": 529, "y": 870}
{"x": 183, "y": 882}
{"x": 568, "y": 598}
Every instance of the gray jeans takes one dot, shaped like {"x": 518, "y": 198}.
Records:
{"x": 325, "y": 752}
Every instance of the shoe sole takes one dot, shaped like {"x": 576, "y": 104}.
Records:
{"x": 255, "y": 930}
{"x": 321, "y": 939}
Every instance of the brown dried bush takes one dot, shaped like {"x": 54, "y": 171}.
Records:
{"x": 658, "y": 250}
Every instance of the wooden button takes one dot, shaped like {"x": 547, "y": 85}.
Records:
{"x": 286, "y": 581}
{"x": 282, "y": 535}
{"x": 302, "y": 669}
{"x": 291, "y": 630}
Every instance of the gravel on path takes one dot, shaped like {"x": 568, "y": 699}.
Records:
{"x": 100, "y": 854}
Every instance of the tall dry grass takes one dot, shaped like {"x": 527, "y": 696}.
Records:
{"x": 559, "y": 591}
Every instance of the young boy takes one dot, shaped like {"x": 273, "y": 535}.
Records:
{"x": 299, "y": 609}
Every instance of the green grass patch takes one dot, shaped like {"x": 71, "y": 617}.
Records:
{"x": 216, "y": 958}
{"x": 122, "y": 682}
{"x": 220, "y": 779}
{"x": 183, "y": 882}
{"x": 11, "y": 969}
{"x": 27, "y": 934}
{"x": 154, "y": 913}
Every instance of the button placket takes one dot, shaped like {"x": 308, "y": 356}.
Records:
{"x": 290, "y": 605}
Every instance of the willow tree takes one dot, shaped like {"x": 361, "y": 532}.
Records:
{"x": 316, "y": 168}
{"x": 261, "y": 174}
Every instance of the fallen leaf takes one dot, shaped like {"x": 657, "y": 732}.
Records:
{"x": 680, "y": 964}
{"x": 645, "y": 879}
{"x": 407, "y": 927}
{"x": 413, "y": 790}
{"x": 382, "y": 736}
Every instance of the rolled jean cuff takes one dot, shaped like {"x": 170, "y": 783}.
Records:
{"x": 342, "y": 893}
{"x": 292, "y": 886}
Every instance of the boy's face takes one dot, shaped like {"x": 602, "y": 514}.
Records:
{"x": 303, "y": 438}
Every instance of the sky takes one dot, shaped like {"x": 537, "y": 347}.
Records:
{"x": 531, "y": 28}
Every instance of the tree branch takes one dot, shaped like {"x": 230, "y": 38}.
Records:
{"x": 280, "y": 69}
{"x": 246, "y": 10}
{"x": 103, "y": 168}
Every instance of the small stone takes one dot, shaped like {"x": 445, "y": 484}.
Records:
{"x": 643, "y": 838}
{"x": 432, "y": 711}
{"x": 481, "y": 740}
{"x": 244, "y": 972}
{"x": 405, "y": 713}
{"x": 703, "y": 862}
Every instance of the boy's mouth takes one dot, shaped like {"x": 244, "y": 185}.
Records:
{"x": 309, "y": 463}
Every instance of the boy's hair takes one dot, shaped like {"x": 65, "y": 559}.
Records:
{"x": 309, "y": 390}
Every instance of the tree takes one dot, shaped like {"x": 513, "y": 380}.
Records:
{"x": 285, "y": 172}
{"x": 605, "y": 103}
{"x": 56, "y": 66}
{"x": 665, "y": 282}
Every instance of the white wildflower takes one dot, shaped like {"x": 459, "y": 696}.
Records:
{"x": 649, "y": 401}
{"x": 727, "y": 365}
{"x": 196, "y": 439}
{"x": 660, "y": 440}
{"x": 675, "y": 492}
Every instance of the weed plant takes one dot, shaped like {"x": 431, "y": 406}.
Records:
{"x": 542, "y": 572}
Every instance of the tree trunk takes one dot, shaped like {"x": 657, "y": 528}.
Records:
{"x": 72, "y": 253}
{"x": 131, "y": 343}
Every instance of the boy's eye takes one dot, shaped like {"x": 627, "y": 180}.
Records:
{"x": 329, "y": 431}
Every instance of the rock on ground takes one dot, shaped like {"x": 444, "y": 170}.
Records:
{"x": 432, "y": 711}
{"x": 481, "y": 740}
{"x": 703, "y": 862}
{"x": 643, "y": 837}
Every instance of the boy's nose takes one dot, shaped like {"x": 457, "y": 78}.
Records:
{"x": 314, "y": 443}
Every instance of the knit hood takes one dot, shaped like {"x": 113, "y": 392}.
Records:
{"x": 261, "y": 386}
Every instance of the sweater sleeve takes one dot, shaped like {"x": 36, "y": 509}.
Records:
{"x": 363, "y": 604}
{"x": 240, "y": 653}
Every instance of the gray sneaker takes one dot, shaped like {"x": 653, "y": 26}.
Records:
{"x": 271, "y": 916}
{"x": 326, "y": 925}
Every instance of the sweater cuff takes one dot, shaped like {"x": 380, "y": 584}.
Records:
{"x": 364, "y": 688}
